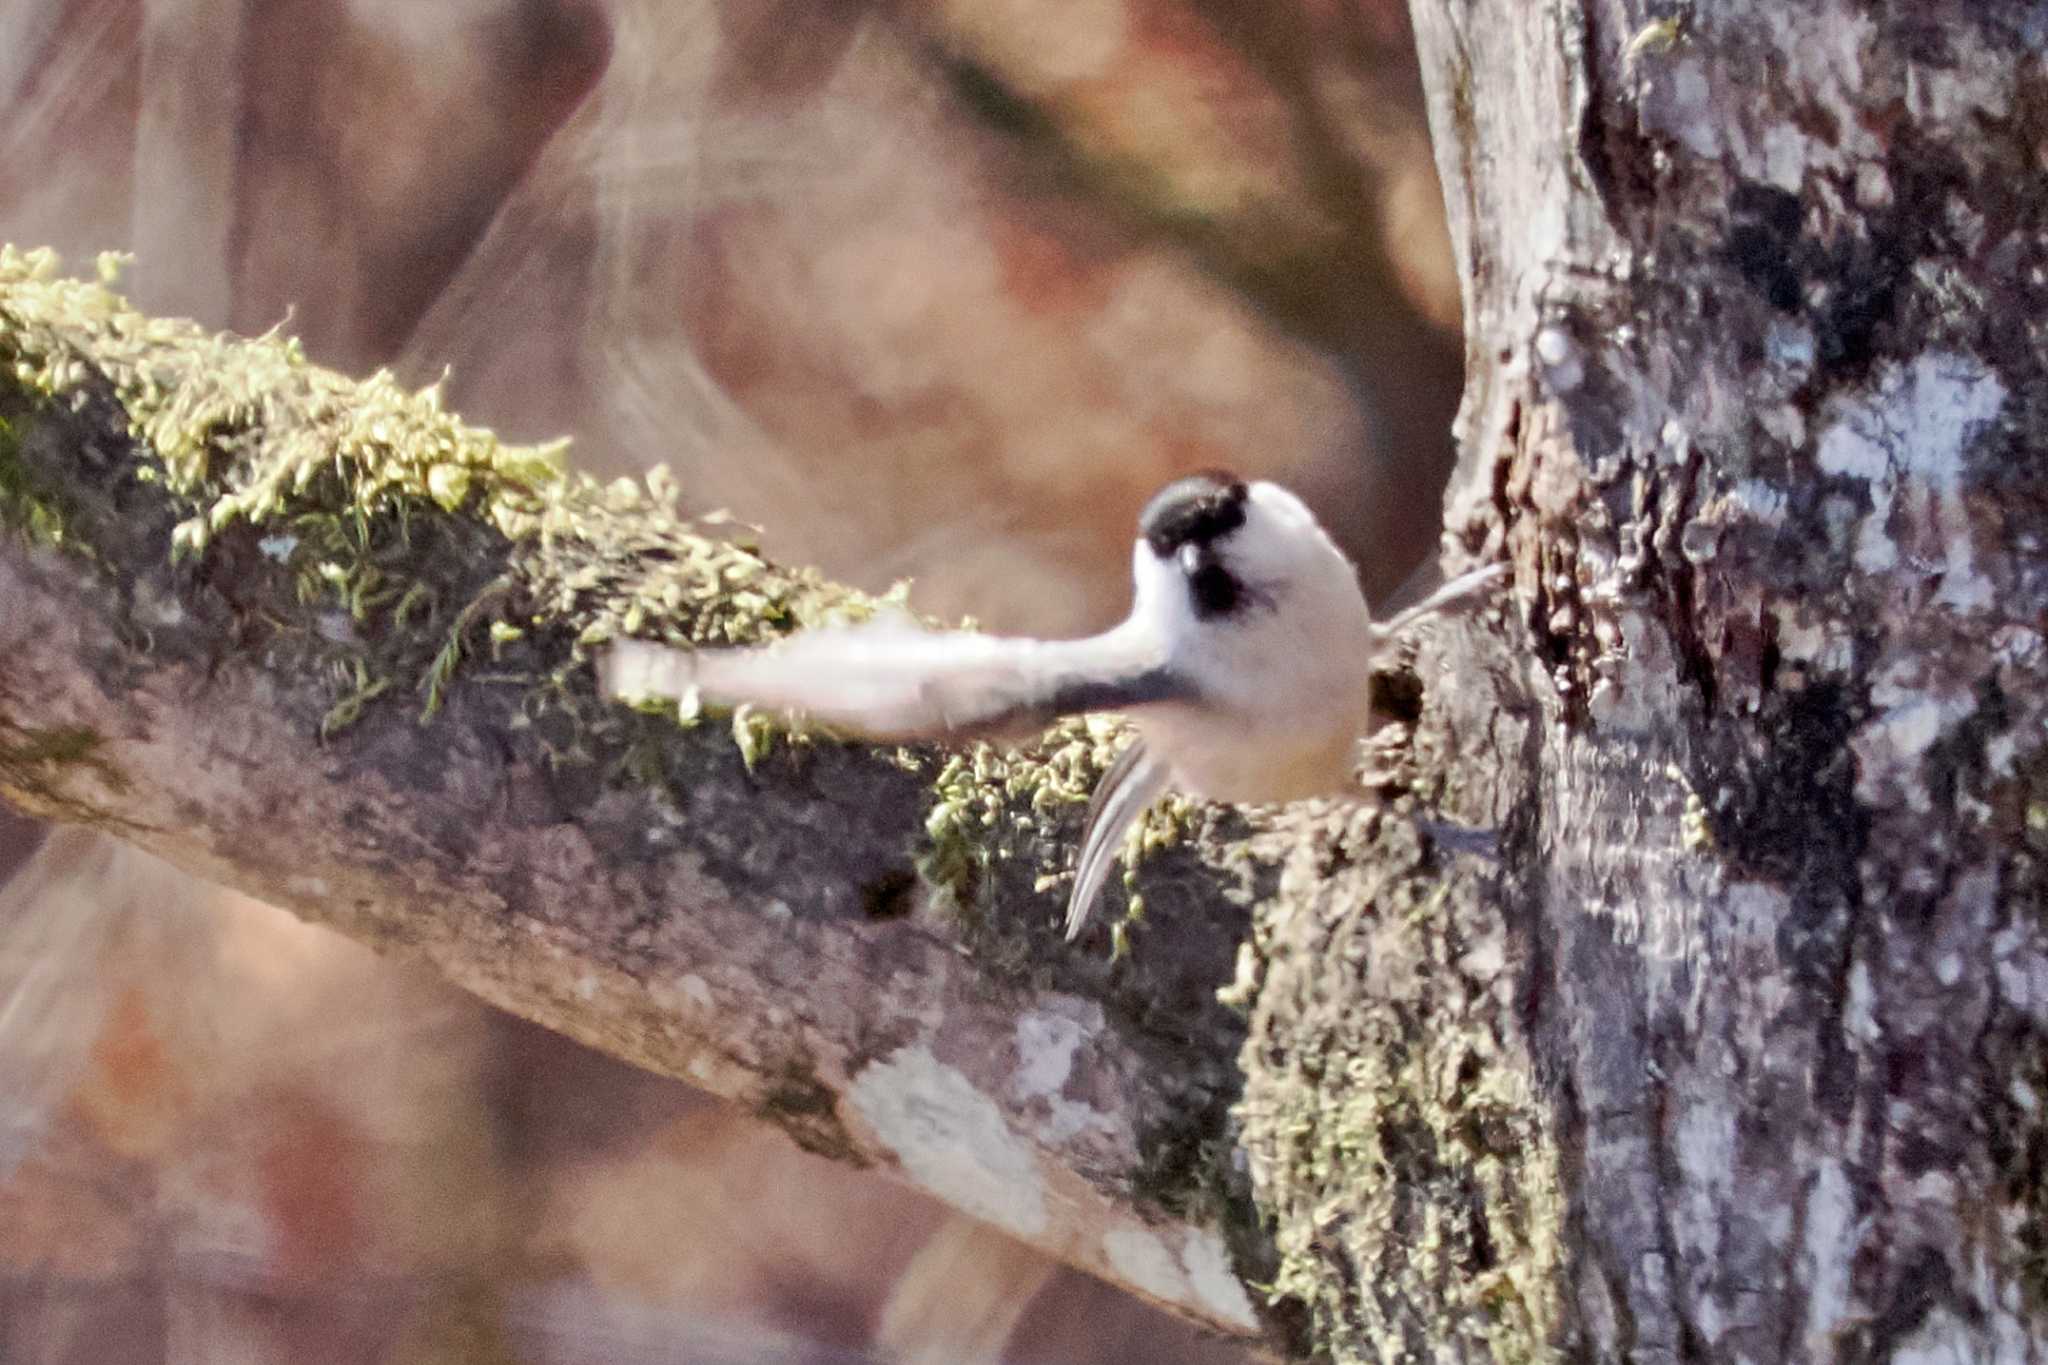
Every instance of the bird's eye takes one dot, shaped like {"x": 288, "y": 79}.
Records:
{"x": 1215, "y": 590}
{"x": 1212, "y": 587}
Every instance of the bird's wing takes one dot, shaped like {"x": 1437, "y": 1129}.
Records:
{"x": 1132, "y": 783}
{"x": 889, "y": 680}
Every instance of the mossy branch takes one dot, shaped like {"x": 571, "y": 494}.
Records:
{"x": 317, "y": 639}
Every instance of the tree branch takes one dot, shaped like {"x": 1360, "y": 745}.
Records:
{"x": 316, "y": 640}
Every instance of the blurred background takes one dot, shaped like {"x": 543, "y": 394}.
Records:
{"x": 941, "y": 289}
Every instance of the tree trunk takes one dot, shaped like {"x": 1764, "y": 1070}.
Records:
{"x": 1741, "y": 1056}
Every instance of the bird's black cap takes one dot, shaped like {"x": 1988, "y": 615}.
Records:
{"x": 1198, "y": 509}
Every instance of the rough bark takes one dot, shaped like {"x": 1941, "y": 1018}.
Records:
{"x": 316, "y": 641}
{"x": 1741, "y": 1058}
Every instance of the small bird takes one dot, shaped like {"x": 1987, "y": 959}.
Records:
{"x": 1244, "y": 667}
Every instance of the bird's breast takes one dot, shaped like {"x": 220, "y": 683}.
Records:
{"x": 1221, "y": 758}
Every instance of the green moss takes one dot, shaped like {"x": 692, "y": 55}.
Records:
{"x": 376, "y": 502}
{"x": 996, "y": 805}
{"x": 358, "y": 499}
{"x": 806, "y": 1109}
{"x": 24, "y": 749}
{"x": 407, "y": 550}
{"x": 1408, "y": 1169}
{"x": 1184, "y": 1170}
{"x": 37, "y": 764}
{"x": 26, "y": 507}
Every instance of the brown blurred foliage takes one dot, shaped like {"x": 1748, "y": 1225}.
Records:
{"x": 930, "y": 288}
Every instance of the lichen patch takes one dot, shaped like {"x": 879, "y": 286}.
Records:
{"x": 1207, "y": 1263}
{"x": 1048, "y": 1043}
{"x": 1908, "y": 439}
{"x": 1141, "y": 1258}
{"x": 950, "y": 1138}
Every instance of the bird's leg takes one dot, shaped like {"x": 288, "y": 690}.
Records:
{"x": 1477, "y": 840}
{"x": 1465, "y": 585}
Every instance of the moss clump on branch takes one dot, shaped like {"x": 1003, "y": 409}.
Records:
{"x": 25, "y": 506}
{"x": 414, "y": 546}
{"x": 1410, "y": 1172}
{"x": 248, "y": 431}
{"x": 998, "y": 803}
{"x": 375, "y": 500}
{"x": 33, "y": 760}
